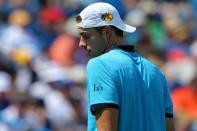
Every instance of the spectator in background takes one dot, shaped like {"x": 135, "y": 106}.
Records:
{"x": 185, "y": 105}
{"x": 63, "y": 92}
{"x": 44, "y": 123}
{"x": 178, "y": 75}
{"x": 49, "y": 25}
{"x": 5, "y": 87}
{"x": 193, "y": 52}
{"x": 19, "y": 37}
{"x": 62, "y": 50}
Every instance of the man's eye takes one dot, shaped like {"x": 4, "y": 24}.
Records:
{"x": 85, "y": 36}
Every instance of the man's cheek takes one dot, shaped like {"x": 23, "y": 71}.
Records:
{"x": 93, "y": 37}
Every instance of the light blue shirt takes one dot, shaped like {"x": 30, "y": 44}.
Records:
{"x": 132, "y": 84}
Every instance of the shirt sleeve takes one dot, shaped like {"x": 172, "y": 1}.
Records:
{"x": 102, "y": 87}
{"x": 168, "y": 101}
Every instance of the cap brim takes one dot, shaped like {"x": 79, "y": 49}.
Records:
{"x": 127, "y": 28}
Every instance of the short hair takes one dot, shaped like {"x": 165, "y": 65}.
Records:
{"x": 118, "y": 32}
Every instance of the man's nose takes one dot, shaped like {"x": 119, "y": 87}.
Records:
{"x": 82, "y": 43}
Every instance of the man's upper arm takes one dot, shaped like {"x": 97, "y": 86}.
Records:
{"x": 169, "y": 124}
{"x": 168, "y": 100}
{"x": 103, "y": 95}
{"x": 168, "y": 108}
{"x": 107, "y": 119}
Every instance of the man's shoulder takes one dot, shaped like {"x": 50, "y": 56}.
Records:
{"x": 111, "y": 55}
{"x": 110, "y": 58}
{"x": 107, "y": 61}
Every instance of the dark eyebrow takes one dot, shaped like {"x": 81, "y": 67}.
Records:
{"x": 83, "y": 33}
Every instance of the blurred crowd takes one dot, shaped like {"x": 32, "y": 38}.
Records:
{"x": 42, "y": 70}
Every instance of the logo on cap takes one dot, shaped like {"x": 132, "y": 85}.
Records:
{"x": 107, "y": 17}
{"x": 78, "y": 19}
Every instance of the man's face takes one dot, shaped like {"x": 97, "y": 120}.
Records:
{"x": 92, "y": 41}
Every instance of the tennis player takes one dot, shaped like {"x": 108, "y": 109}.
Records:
{"x": 126, "y": 92}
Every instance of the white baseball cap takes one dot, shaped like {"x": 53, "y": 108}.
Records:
{"x": 102, "y": 14}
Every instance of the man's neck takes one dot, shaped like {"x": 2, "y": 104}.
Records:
{"x": 119, "y": 43}
{"x": 116, "y": 42}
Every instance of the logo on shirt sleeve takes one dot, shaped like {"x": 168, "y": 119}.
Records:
{"x": 97, "y": 88}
